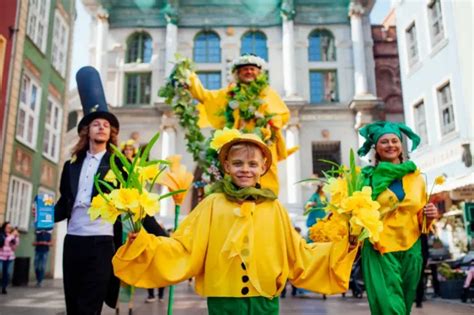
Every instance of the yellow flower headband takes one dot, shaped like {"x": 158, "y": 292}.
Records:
{"x": 224, "y": 139}
{"x": 129, "y": 143}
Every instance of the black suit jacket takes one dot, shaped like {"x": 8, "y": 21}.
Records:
{"x": 63, "y": 209}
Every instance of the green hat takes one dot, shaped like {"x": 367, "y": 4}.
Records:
{"x": 372, "y": 133}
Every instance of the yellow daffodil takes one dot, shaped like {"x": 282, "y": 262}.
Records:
{"x": 150, "y": 202}
{"x": 221, "y": 137}
{"x": 368, "y": 219}
{"x": 125, "y": 198}
{"x": 148, "y": 173}
{"x": 177, "y": 178}
{"x": 100, "y": 207}
{"x": 439, "y": 180}
{"x": 360, "y": 200}
{"x": 337, "y": 189}
{"x": 111, "y": 178}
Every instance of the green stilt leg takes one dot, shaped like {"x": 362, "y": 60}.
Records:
{"x": 171, "y": 294}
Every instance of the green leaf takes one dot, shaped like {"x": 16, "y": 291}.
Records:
{"x": 118, "y": 174}
{"x": 172, "y": 193}
{"x": 150, "y": 144}
{"x": 363, "y": 235}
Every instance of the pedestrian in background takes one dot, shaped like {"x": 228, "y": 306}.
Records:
{"x": 10, "y": 238}
{"x": 42, "y": 244}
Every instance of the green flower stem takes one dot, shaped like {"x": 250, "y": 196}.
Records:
{"x": 171, "y": 294}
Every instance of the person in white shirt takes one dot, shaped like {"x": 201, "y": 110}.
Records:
{"x": 90, "y": 245}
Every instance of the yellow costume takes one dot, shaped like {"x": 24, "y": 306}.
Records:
{"x": 215, "y": 102}
{"x": 235, "y": 250}
{"x": 401, "y": 226}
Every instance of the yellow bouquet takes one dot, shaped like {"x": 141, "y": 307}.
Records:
{"x": 129, "y": 186}
{"x": 351, "y": 206}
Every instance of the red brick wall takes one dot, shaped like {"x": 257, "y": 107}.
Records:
{"x": 7, "y": 30}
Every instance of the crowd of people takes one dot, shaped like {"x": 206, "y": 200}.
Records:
{"x": 220, "y": 243}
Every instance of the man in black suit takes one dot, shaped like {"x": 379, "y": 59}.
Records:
{"x": 90, "y": 245}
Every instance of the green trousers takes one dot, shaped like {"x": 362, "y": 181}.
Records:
{"x": 391, "y": 279}
{"x": 242, "y": 306}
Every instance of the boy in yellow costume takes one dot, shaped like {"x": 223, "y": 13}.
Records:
{"x": 249, "y": 105}
{"x": 238, "y": 243}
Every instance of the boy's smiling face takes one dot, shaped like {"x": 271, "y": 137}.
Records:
{"x": 245, "y": 164}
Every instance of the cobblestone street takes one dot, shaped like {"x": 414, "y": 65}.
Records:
{"x": 49, "y": 300}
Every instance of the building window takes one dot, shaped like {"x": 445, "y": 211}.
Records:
{"x": 52, "y": 131}
{"x": 435, "y": 19}
{"x": 38, "y": 19}
{"x": 328, "y": 151}
{"x": 446, "y": 109}
{"x": 323, "y": 86}
{"x": 60, "y": 43}
{"x": 139, "y": 48}
{"x": 210, "y": 80}
{"x": 254, "y": 43}
{"x": 19, "y": 203}
{"x": 321, "y": 46}
{"x": 207, "y": 48}
{"x": 412, "y": 44}
{"x": 420, "y": 122}
{"x": 72, "y": 120}
{"x": 28, "y": 112}
{"x": 138, "y": 88}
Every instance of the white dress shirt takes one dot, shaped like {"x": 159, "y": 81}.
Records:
{"x": 80, "y": 222}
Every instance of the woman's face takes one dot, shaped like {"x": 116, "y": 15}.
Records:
{"x": 389, "y": 148}
{"x": 8, "y": 228}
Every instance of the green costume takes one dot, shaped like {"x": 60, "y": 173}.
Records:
{"x": 392, "y": 267}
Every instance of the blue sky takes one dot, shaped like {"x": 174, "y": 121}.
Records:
{"x": 80, "y": 55}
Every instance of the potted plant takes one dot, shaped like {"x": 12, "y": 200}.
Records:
{"x": 451, "y": 282}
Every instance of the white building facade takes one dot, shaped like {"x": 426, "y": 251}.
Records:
{"x": 435, "y": 47}
{"x": 319, "y": 58}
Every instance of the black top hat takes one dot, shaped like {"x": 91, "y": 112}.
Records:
{"x": 92, "y": 97}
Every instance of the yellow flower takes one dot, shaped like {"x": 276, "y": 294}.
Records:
{"x": 221, "y": 137}
{"x": 101, "y": 207}
{"x": 125, "y": 198}
{"x": 246, "y": 209}
{"x": 439, "y": 180}
{"x": 150, "y": 202}
{"x": 266, "y": 133}
{"x": 248, "y": 125}
{"x": 328, "y": 230}
{"x": 369, "y": 220}
{"x": 337, "y": 190}
{"x": 110, "y": 177}
{"x": 177, "y": 178}
{"x": 360, "y": 200}
{"x": 148, "y": 173}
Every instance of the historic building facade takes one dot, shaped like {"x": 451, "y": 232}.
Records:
{"x": 35, "y": 98}
{"x": 387, "y": 69}
{"x": 435, "y": 45}
{"x": 319, "y": 58}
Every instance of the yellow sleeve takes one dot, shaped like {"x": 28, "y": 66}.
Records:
{"x": 154, "y": 262}
{"x": 318, "y": 267}
{"x": 214, "y": 102}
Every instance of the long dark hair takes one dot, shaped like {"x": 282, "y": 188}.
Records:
{"x": 82, "y": 144}
{"x": 4, "y": 226}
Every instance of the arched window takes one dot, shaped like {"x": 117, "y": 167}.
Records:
{"x": 207, "y": 48}
{"x": 321, "y": 46}
{"x": 139, "y": 48}
{"x": 255, "y": 43}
